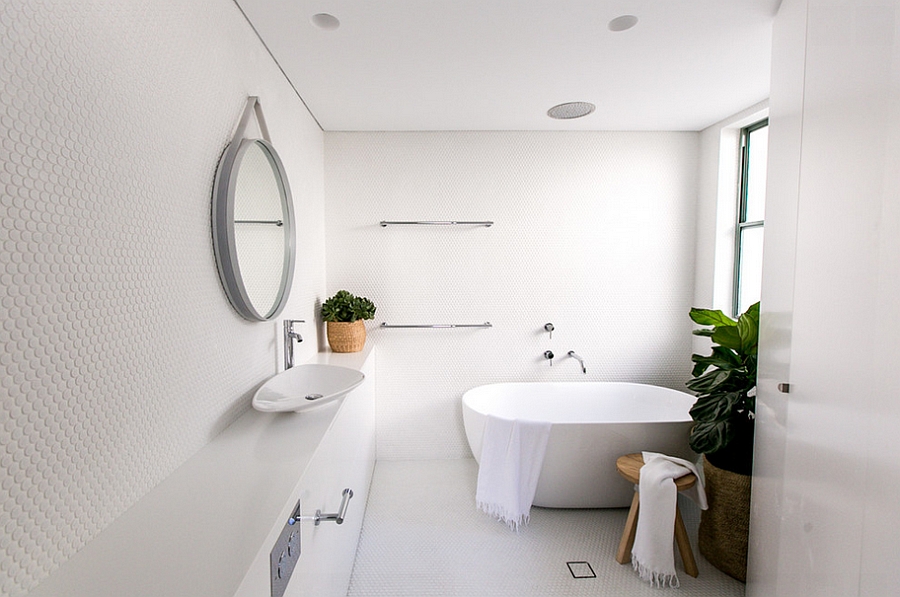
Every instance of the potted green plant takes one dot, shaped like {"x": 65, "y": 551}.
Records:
{"x": 725, "y": 384}
{"x": 344, "y": 314}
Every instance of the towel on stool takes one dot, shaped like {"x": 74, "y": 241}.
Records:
{"x": 512, "y": 453}
{"x": 653, "y": 555}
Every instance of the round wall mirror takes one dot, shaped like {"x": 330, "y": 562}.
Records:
{"x": 253, "y": 229}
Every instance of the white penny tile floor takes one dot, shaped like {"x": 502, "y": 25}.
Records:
{"x": 423, "y": 537}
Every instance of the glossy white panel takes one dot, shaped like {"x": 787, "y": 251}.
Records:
{"x": 834, "y": 291}
{"x": 776, "y": 307}
{"x": 880, "y": 557}
{"x": 838, "y": 522}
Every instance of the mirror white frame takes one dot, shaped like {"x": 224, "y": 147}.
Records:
{"x": 223, "y": 221}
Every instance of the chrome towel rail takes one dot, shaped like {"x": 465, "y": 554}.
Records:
{"x": 385, "y": 223}
{"x": 486, "y": 324}
{"x": 337, "y": 517}
{"x": 276, "y": 222}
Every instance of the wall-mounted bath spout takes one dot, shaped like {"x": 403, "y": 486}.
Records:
{"x": 289, "y": 336}
{"x": 579, "y": 359}
{"x": 548, "y": 354}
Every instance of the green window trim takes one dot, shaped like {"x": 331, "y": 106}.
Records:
{"x": 741, "y": 225}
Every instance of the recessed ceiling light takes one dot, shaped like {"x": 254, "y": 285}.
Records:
{"x": 571, "y": 110}
{"x": 623, "y": 23}
{"x": 323, "y": 20}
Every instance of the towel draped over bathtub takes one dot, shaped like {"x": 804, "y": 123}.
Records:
{"x": 512, "y": 454}
{"x": 653, "y": 555}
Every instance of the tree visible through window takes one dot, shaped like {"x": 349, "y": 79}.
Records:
{"x": 750, "y": 216}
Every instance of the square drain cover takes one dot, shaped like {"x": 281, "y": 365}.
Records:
{"x": 581, "y": 570}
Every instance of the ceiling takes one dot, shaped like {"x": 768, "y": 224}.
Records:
{"x": 440, "y": 65}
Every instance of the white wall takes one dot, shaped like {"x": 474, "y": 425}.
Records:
{"x": 593, "y": 232}
{"x": 832, "y": 482}
{"x": 121, "y": 356}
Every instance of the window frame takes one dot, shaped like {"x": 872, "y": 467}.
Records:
{"x": 741, "y": 223}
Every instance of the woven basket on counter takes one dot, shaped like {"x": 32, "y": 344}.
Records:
{"x": 725, "y": 526}
{"x": 346, "y": 337}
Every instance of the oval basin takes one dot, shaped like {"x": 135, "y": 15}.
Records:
{"x": 305, "y": 386}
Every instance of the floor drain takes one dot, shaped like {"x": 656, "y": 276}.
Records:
{"x": 581, "y": 570}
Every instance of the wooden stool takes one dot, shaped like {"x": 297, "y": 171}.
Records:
{"x": 629, "y": 466}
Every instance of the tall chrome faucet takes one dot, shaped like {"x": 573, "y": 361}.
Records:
{"x": 289, "y": 336}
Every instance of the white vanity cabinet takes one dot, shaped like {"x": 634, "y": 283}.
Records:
{"x": 207, "y": 530}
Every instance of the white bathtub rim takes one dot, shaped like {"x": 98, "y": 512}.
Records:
{"x": 471, "y": 394}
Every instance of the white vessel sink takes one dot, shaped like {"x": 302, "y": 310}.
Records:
{"x": 306, "y": 386}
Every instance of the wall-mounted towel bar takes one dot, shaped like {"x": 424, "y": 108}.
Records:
{"x": 486, "y": 324}
{"x": 385, "y": 223}
{"x": 276, "y": 222}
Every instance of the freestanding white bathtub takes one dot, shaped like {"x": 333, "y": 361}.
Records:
{"x": 593, "y": 423}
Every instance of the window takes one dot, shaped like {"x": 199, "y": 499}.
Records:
{"x": 748, "y": 251}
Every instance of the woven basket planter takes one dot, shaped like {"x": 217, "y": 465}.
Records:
{"x": 346, "y": 337}
{"x": 725, "y": 526}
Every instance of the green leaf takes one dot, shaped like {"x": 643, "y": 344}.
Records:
{"x": 728, "y": 355}
{"x": 728, "y": 337}
{"x": 362, "y": 308}
{"x": 721, "y": 357}
{"x": 712, "y": 317}
{"x": 750, "y": 364}
{"x": 700, "y": 367}
{"x": 704, "y": 363}
{"x": 723, "y": 380}
{"x": 748, "y": 329}
{"x": 753, "y": 311}
{"x": 746, "y": 407}
{"x": 708, "y": 437}
{"x": 710, "y": 382}
{"x": 715, "y": 407}
{"x": 346, "y": 307}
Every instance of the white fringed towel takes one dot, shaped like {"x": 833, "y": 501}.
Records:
{"x": 512, "y": 453}
{"x": 653, "y": 555}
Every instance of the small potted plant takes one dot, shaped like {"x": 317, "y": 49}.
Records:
{"x": 344, "y": 314}
{"x": 725, "y": 384}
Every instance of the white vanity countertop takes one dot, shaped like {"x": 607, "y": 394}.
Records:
{"x": 353, "y": 360}
{"x": 199, "y": 530}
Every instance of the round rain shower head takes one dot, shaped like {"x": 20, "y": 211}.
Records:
{"x": 325, "y": 21}
{"x": 623, "y": 23}
{"x": 571, "y": 110}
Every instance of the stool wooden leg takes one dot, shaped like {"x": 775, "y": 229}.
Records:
{"x": 623, "y": 556}
{"x": 684, "y": 545}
